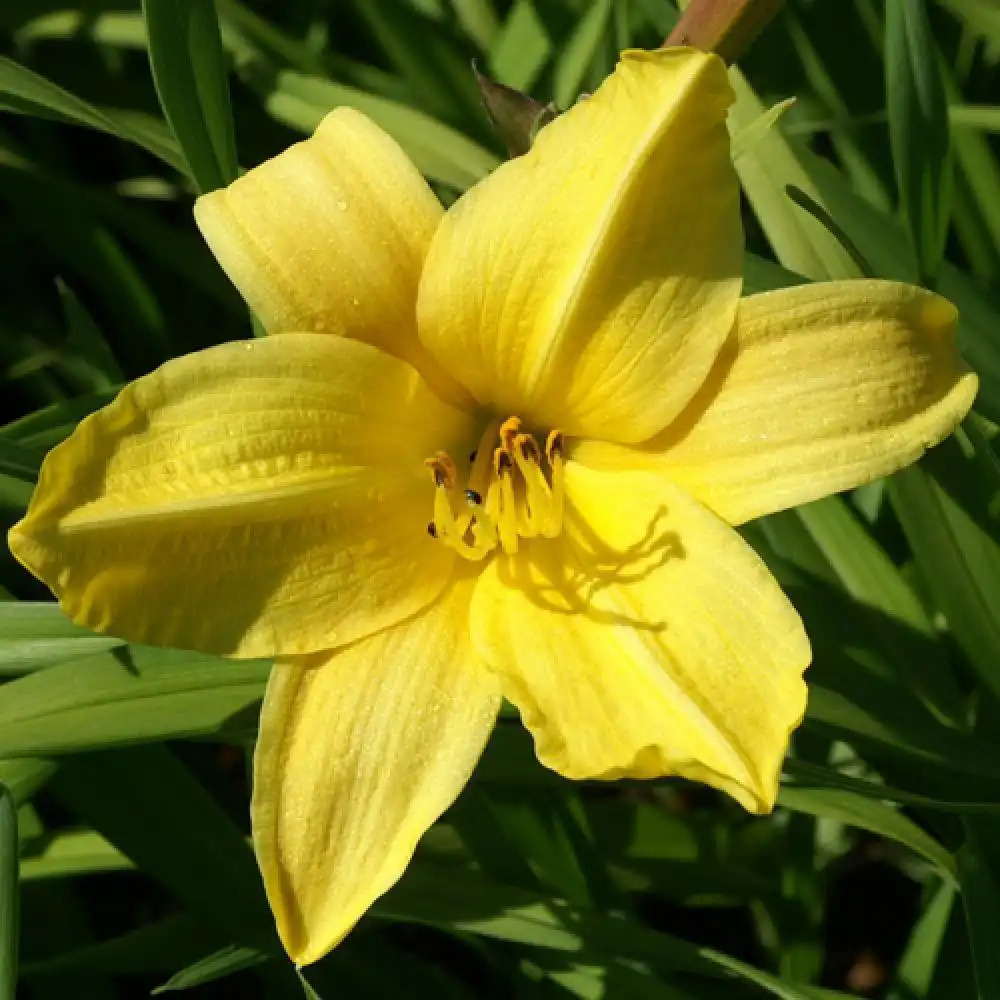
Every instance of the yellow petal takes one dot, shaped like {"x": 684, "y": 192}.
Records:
{"x": 589, "y": 284}
{"x": 360, "y": 750}
{"x": 826, "y": 386}
{"x": 650, "y": 640}
{"x": 255, "y": 498}
{"x": 330, "y": 237}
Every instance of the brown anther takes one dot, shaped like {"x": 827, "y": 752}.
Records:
{"x": 529, "y": 447}
{"x": 432, "y": 529}
{"x": 474, "y": 498}
{"x": 442, "y": 469}
{"x": 554, "y": 445}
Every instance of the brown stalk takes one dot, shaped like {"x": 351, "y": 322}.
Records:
{"x": 726, "y": 27}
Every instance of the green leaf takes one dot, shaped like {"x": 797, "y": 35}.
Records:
{"x": 45, "y": 428}
{"x": 877, "y": 723}
{"x": 25, "y": 92}
{"x": 151, "y": 949}
{"x": 135, "y": 694}
{"x": 8, "y": 897}
{"x": 985, "y": 117}
{"x": 521, "y": 48}
{"x": 778, "y": 987}
{"x": 34, "y": 635}
{"x": 478, "y": 19}
{"x": 189, "y": 71}
{"x": 981, "y": 898}
{"x": 869, "y": 576}
{"x": 150, "y": 807}
{"x": 918, "y": 130}
{"x": 866, "y": 814}
{"x": 747, "y": 138}
{"x": 799, "y": 241}
{"x": 884, "y": 245}
{"x": 440, "y": 152}
{"x": 219, "y": 964}
{"x": 916, "y": 967}
{"x": 579, "y": 52}
{"x": 807, "y": 774}
{"x": 76, "y": 852}
{"x": 86, "y": 340}
{"x": 307, "y": 991}
{"x": 23, "y": 776}
{"x": 437, "y": 76}
{"x": 952, "y": 531}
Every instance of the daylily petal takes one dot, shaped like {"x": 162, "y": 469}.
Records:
{"x": 360, "y": 750}
{"x": 330, "y": 237}
{"x": 255, "y": 498}
{"x": 825, "y": 387}
{"x": 650, "y": 640}
{"x": 589, "y": 284}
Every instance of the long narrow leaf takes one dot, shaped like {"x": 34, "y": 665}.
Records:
{"x": 918, "y": 130}
{"x": 189, "y": 70}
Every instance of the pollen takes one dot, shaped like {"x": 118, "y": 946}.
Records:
{"x": 514, "y": 490}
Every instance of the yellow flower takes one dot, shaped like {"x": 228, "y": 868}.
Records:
{"x": 575, "y": 322}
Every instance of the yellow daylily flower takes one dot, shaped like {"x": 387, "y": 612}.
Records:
{"x": 491, "y": 452}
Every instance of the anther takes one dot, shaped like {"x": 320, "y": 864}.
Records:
{"x": 509, "y": 430}
{"x": 554, "y": 446}
{"x": 442, "y": 469}
{"x": 528, "y": 447}
{"x": 513, "y": 489}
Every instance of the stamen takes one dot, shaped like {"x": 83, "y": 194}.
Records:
{"x": 447, "y": 527}
{"x": 537, "y": 494}
{"x": 507, "y": 514}
{"x": 508, "y": 495}
{"x": 442, "y": 469}
{"x": 554, "y": 455}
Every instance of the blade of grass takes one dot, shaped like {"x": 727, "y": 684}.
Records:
{"x": 190, "y": 74}
{"x": 24, "y": 776}
{"x": 130, "y": 695}
{"x": 916, "y": 967}
{"x": 218, "y": 965}
{"x": 918, "y": 130}
{"x": 8, "y": 897}
{"x": 521, "y": 48}
{"x": 25, "y": 92}
{"x": 38, "y": 634}
{"x": 800, "y": 242}
{"x": 146, "y": 803}
{"x": 945, "y": 514}
{"x": 442, "y": 153}
{"x": 867, "y": 814}
{"x": 73, "y": 852}
{"x": 981, "y": 899}
{"x": 578, "y": 53}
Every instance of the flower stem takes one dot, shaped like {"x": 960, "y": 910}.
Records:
{"x": 726, "y": 27}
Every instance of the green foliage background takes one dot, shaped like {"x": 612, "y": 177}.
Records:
{"x": 123, "y": 821}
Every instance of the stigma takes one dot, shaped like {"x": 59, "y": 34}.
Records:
{"x": 513, "y": 490}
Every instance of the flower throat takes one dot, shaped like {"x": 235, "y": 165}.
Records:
{"x": 513, "y": 492}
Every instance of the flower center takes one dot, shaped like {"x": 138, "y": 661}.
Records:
{"x": 509, "y": 493}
